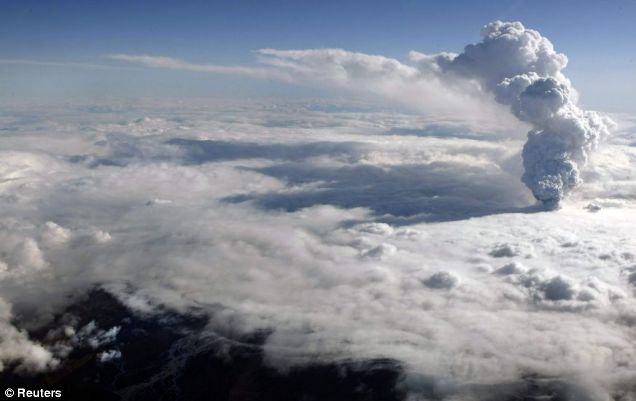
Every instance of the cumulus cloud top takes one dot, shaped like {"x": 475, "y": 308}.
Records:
{"x": 507, "y": 49}
{"x": 17, "y": 351}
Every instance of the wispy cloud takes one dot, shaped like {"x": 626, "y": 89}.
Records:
{"x": 409, "y": 84}
{"x": 176, "y": 64}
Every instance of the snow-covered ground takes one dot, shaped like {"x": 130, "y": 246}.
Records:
{"x": 351, "y": 231}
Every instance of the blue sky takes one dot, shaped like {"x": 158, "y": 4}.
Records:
{"x": 597, "y": 36}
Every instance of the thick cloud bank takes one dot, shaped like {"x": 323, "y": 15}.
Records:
{"x": 345, "y": 231}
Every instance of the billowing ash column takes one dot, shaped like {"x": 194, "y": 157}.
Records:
{"x": 523, "y": 70}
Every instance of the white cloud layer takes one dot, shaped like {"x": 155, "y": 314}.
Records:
{"x": 349, "y": 231}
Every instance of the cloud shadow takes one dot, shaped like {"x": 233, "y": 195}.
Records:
{"x": 127, "y": 150}
{"x": 404, "y": 194}
{"x": 204, "y": 151}
{"x": 440, "y": 131}
{"x": 401, "y": 194}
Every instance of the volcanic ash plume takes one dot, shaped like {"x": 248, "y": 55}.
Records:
{"x": 516, "y": 65}
{"x": 523, "y": 71}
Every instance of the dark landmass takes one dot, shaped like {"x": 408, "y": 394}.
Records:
{"x": 163, "y": 358}
{"x": 168, "y": 356}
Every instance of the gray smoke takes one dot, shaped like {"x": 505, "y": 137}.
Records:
{"x": 524, "y": 71}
